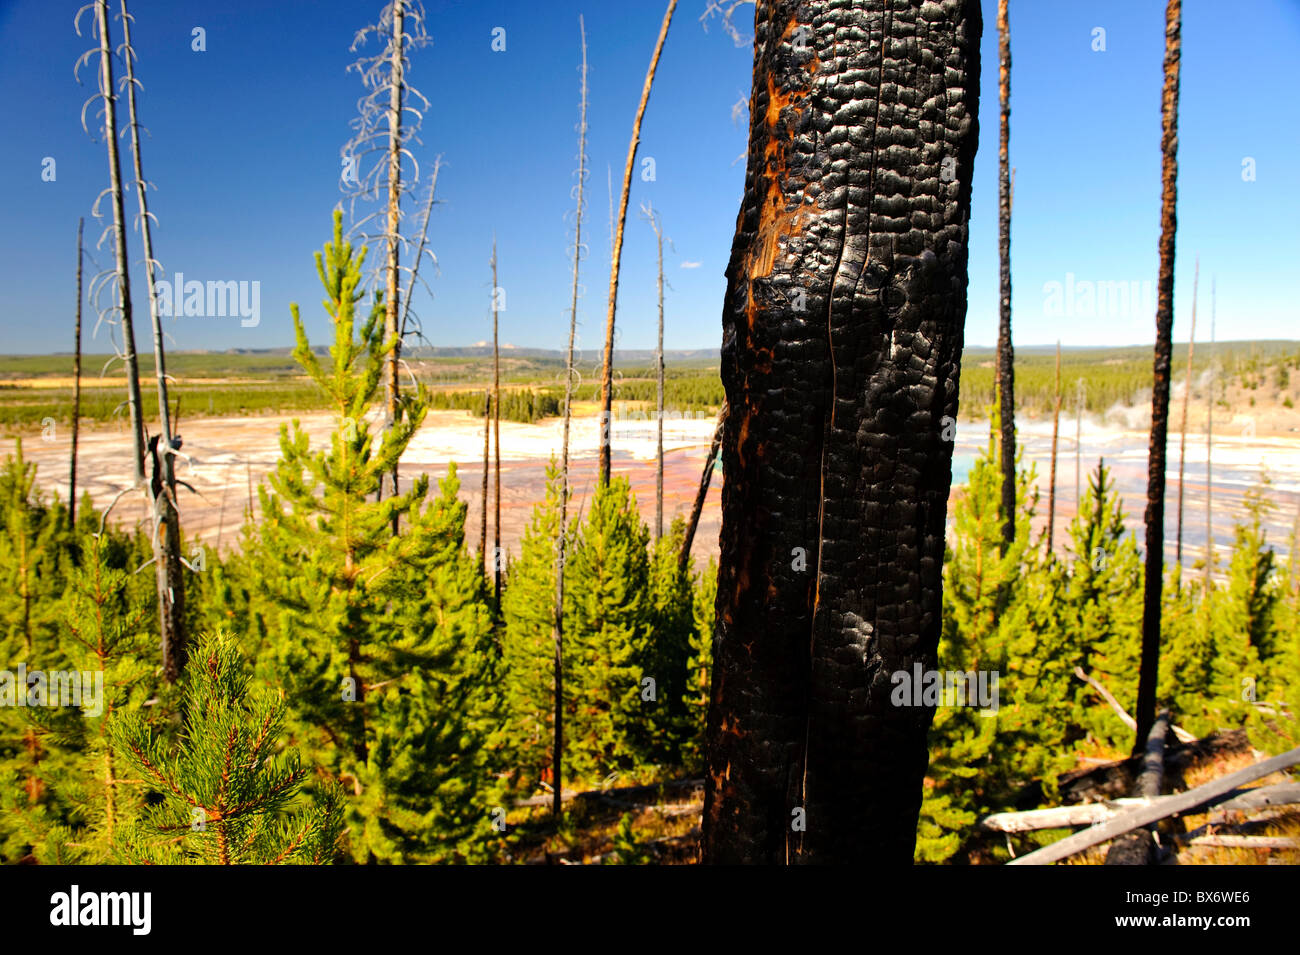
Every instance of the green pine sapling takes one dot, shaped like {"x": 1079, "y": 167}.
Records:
{"x": 227, "y": 793}
{"x": 381, "y": 643}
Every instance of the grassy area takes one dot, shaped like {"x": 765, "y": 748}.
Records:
{"x": 1112, "y": 376}
{"x": 21, "y": 407}
{"x": 36, "y": 387}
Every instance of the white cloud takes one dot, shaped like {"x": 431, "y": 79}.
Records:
{"x": 691, "y": 265}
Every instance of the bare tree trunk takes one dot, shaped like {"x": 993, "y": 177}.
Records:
{"x": 607, "y": 373}
{"x": 392, "y": 276}
{"x": 561, "y": 540}
{"x": 1209, "y": 447}
{"x": 1006, "y": 354}
{"x": 684, "y": 555}
{"x": 659, "y": 374}
{"x": 487, "y": 469}
{"x": 496, "y": 429}
{"x": 1187, "y": 401}
{"x": 76, "y": 392}
{"x": 168, "y": 570}
{"x": 1145, "y": 712}
{"x": 419, "y": 251}
{"x": 122, "y": 263}
{"x": 837, "y": 473}
{"x": 1056, "y": 430}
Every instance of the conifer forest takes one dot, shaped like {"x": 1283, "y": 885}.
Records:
{"x": 445, "y": 501}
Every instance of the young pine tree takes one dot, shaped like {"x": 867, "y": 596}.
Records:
{"x": 607, "y": 636}
{"x": 381, "y": 642}
{"x": 527, "y": 651}
{"x": 986, "y": 620}
{"x": 1100, "y": 608}
{"x": 226, "y": 792}
{"x": 1213, "y": 670}
{"x": 74, "y": 802}
{"x": 666, "y": 726}
{"x": 35, "y": 558}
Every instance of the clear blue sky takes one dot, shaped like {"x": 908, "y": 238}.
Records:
{"x": 245, "y": 141}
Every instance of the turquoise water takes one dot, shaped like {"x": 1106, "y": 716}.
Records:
{"x": 962, "y": 462}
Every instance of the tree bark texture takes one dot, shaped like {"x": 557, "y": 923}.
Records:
{"x": 842, "y": 338}
{"x": 1145, "y": 711}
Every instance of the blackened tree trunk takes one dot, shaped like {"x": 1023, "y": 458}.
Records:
{"x": 1006, "y": 356}
{"x": 842, "y": 337}
{"x": 1145, "y": 712}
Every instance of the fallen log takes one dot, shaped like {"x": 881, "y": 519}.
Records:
{"x": 1245, "y": 842}
{"x": 1261, "y": 797}
{"x": 1063, "y": 817}
{"x": 1145, "y": 815}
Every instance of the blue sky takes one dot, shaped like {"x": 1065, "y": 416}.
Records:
{"x": 245, "y": 140}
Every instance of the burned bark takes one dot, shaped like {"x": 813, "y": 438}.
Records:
{"x": 1006, "y": 354}
{"x": 842, "y": 338}
{"x": 1145, "y": 711}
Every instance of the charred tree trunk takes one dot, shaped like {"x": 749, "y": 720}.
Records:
{"x": 607, "y": 371}
{"x": 1138, "y": 847}
{"x": 76, "y": 391}
{"x": 1056, "y": 432}
{"x": 842, "y": 337}
{"x": 1145, "y": 712}
{"x": 1187, "y": 403}
{"x": 1006, "y": 355}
